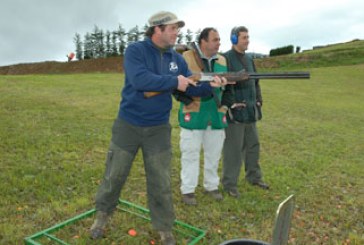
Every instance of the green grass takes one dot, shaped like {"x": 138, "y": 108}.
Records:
{"x": 55, "y": 131}
{"x": 343, "y": 54}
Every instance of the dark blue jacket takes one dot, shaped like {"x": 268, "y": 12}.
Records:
{"x": 148, "y": 69}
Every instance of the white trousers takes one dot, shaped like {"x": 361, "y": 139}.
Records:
{"x": 190, "y": 144}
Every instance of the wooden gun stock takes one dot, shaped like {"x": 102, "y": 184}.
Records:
{"x": 195, "y": 77}
{"x": 151, "y": 94}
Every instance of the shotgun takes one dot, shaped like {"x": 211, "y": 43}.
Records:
{"x": 240, "y": 76}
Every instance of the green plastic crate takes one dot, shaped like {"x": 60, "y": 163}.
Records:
{"x": 190, "y": 234}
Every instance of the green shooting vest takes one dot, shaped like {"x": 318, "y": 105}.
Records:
{"x": 203, "y": 111}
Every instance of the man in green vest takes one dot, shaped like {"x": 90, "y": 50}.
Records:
{"x": 244, "y": 101}
{"x": 202, "y": 121}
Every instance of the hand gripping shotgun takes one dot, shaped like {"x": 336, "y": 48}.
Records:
{"x": 240, "y": 76}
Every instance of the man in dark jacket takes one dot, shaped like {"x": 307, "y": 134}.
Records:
{"x": 244, "y": 101}
{"x": 153, "y": 70}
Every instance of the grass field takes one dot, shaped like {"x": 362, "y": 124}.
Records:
{"x": 55, "y": 131}
{"x": 341, "y": 54}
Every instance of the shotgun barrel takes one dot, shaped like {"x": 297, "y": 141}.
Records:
{"x": 241, "y": 76}
{"x": 281, "y": 75}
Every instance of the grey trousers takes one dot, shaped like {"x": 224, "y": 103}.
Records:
{"x": 155, "y": 143}
{"x": 241, "y": 145}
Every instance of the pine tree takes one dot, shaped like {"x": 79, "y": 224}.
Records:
{"x": 120, "y": 33}
{"x": 108, "y": 50}
{"x": 145, "y": 28}
{"x": 189, "y": 36}
{"x": 78, "y": 43}
{"x": 88, "y": 47}
{"x": 114, "y": 46}
{"x": 98, "y": 42}
{"x": 133, "y": 34}
{"x": 197, "y": 34}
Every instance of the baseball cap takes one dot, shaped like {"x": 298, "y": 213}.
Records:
{"x": 165, "y": 18}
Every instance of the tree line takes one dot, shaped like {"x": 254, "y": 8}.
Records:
{"x": 101, "y": 44}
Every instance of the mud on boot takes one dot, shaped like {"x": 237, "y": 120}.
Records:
{"x": 97, "y": 230}
{"x": 167, "y": 238}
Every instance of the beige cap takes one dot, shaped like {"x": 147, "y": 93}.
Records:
{"x": 165, "y": 18}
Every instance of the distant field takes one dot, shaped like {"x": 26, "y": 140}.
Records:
{"x": 342, "y": 54}
{"x": 55, "y": 130}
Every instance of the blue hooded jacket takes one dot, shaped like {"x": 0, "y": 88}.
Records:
{"x": 149, "y": 69}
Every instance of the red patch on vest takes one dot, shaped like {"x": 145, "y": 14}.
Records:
{"x": 224, "y": 119}
{"x": 187, "y": 117}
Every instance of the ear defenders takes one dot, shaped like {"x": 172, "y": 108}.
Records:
{"x": 234, "y": 36}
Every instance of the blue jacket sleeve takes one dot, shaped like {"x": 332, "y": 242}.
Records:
{"x": 200, "y": 90}
{"x": 142, "y": 77}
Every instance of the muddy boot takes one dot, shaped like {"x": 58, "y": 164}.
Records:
{"x": 167, "y": 238}
{"x": 97, "y": 229}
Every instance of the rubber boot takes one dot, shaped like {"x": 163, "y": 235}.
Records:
{"x": 167, "y": 238}
{"x": 97, "y": 229}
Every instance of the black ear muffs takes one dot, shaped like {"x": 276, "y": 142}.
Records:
{"x": 234, "y": 36}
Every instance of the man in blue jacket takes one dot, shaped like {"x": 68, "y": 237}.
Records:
{"x": 153, "y": 70}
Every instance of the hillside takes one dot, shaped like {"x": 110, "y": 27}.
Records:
{"x": 113, "y": 64}
{"x": 340, "y": 54}
{"x": 349, "y": 53}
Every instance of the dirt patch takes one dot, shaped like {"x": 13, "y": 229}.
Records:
{"x": 109, "y": 65}
{"x": 113, "y": 64}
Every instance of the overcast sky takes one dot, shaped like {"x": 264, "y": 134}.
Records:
{"x": 43, "y": 30}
